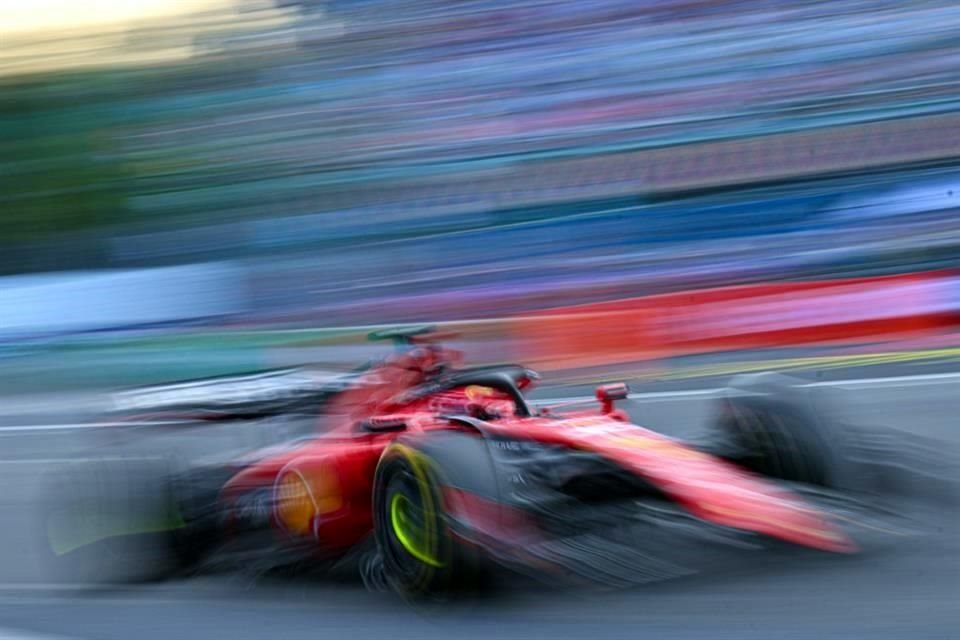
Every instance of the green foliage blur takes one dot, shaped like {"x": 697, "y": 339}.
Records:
{"x": 61, "y": 172}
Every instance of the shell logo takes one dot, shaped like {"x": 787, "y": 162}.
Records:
{"x": 304, "y": 494}
{"x": 660, "y": 446}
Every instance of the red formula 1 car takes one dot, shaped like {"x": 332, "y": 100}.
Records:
{"x": 440, "y": 473}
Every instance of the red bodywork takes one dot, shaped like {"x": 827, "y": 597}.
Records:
{"x": 323, "y": 489}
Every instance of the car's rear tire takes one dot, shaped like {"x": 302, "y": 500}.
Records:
{"x": 422, "y": 557}
{"x": 115, "y": 522}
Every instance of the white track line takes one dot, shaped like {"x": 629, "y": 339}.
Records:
{"x": 10, "y": 461}
{"x": 70, "y": 426}
{"x": 897, "y": 381}
{"x": 204, "y": 586}
{"x": 25, "y": 587}
{"x": 19, "y": 634}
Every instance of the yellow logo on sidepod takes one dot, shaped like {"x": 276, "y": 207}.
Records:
{"x": 303, "y": 494}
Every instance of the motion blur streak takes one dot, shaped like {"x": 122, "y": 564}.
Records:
{"x": 209, "y": 209}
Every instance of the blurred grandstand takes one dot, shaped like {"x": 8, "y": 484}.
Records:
{"x": 407, "y": 159}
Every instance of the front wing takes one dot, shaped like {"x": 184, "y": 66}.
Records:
{"x": 575, "y": 517}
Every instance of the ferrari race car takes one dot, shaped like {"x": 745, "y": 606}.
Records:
{"x": 433, "y": 475}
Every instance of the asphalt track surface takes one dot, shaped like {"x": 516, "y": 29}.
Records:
{"x": 908, "y": 590}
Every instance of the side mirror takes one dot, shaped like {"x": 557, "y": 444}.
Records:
{"x": 528, "y": 378}
{"x": 609, "y": 393}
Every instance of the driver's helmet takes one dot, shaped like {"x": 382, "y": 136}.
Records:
{"x": 480, "y": 402}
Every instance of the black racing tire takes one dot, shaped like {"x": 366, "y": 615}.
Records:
{"x": 115, "y": 522}
{"x": 432, "y": 563}
{"x": 772, "y": 425}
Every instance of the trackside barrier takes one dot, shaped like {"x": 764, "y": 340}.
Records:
{"x": 645, "y": 329}
{"x": 741, "y": 317}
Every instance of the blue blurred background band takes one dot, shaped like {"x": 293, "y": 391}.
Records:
{"x": 495, "y": 156}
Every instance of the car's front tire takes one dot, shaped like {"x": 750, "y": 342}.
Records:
{"x": 422, "y": 557}
{"x": 769, "y": 424}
